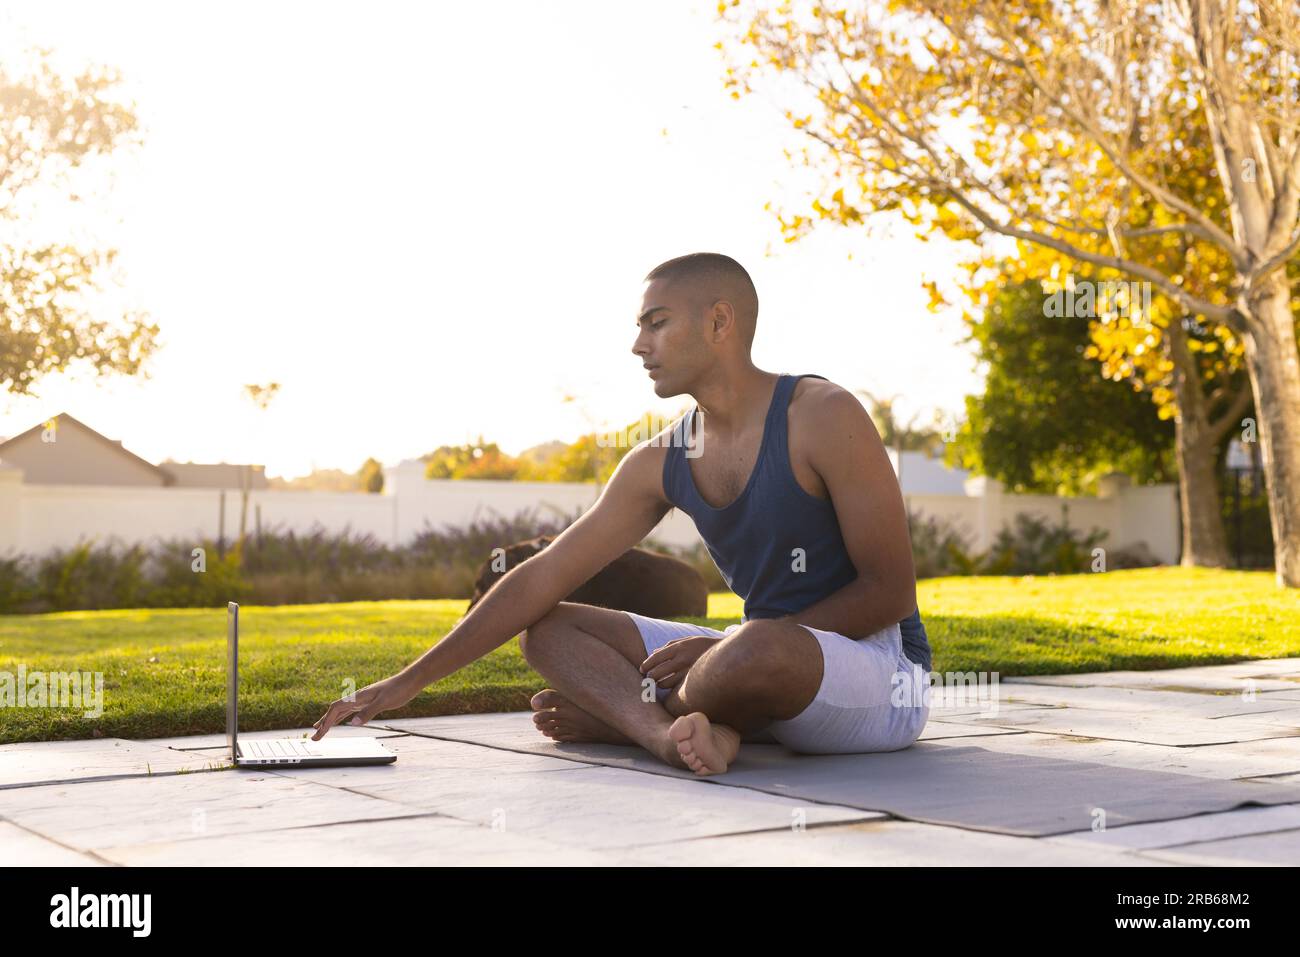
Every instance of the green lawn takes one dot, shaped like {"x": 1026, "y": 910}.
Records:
{"x": 164, "y": 669}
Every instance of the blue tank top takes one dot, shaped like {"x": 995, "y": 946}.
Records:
{"x": 753, "y": 540}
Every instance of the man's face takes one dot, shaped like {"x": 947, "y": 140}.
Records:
{"x": 668, "y": 339}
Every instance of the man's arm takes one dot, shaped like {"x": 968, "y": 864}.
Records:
{"x": 629, "y": 508}
{"x": 847, "y": 452}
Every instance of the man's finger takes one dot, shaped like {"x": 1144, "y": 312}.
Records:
{"x": 663, "y": 668}
{"x": 336, "y": 713}
{"x": 666, "y": 653}
{"x": 321, "y": 726}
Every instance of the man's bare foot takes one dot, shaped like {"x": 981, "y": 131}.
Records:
{"x": 559, "y": 718}
{"x": 706, "y": 748}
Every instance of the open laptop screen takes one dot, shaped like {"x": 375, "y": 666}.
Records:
{"x": 232, "y": 675}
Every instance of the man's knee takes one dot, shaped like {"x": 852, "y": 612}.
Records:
{"x": 542, "y": 632}
{"x": 761, "y": 652}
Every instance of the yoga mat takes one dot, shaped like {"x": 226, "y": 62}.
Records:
{"x": 958, "y": 786}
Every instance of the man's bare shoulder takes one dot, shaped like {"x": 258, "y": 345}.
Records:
{"x": 644, "y": 464}
{"x": 816, "y": 403}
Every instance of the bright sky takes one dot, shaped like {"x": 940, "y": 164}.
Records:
{"x": 430, "y": 221}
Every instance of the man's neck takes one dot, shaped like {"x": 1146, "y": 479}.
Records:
{"x": 729, "y": 408}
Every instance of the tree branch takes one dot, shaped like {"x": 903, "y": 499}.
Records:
{"x": 1200, "y": 225}
{"x": 1231, "y": 417}
{"x": 1195, "y": 304}
{"x": 1274, "y": 262}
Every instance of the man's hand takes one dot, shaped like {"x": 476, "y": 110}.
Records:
{"x": 392, "y": 692}
{"x": 669, "y": 664}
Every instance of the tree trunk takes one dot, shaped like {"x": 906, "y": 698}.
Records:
{"x": 1274, "y": 365}
{"x": 1205, "y": 543}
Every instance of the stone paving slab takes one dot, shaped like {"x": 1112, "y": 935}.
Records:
{"x": 46, "y": 762}
{"x": 1286, "y": 779}
{"x": 881, "y": 844}
{"x": 1244, "y": 822}
{"x": 441, "y": 842}
{"x": 98, "y": 814}
{"x": 402, "y": 842}
{"x": 1149, "y": 727}
{"x": 955, "y": 695}
{"x": 1283, "y": 721}
{"x": 603, "y": 807}
{"x": 1284, "y": 689}
{"x": 971, "y": 699}
{"x": 1277, "y": 850}
{"x": 1277, "y": 675}
{"x": 935, "y": 730}
{"x": 1275, "y": 757}
{"x": 22, "y": 848}
{"x": 1142, "y": 700}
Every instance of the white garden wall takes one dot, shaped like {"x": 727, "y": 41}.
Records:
{"x": 37, "y": 518}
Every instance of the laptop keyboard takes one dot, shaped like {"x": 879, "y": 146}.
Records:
{"x": 280, "y": 748}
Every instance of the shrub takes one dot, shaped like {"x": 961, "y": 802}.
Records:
{"x": 287, "y": 567}
{"x": 276, "y": 567}
{"x": 938, "y": 548}
{"x": 1032, "y": 547}
{"x": 88, "y": 576}
{"x": 472, "y": 543}
{"x": 1027, "y": 546}
{"x": 17, "y": 587}
{"x": 176, "y": 584}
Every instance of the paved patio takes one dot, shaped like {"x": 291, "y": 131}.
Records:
{"x": 1197, "y": 766}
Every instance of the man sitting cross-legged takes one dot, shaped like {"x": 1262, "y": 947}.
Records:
{"x": 789, "y": 485}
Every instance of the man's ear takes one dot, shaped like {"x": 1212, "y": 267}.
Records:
{"x": 722, "y": 315}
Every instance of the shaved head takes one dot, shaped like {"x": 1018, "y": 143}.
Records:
{"x": 707, "y": 278}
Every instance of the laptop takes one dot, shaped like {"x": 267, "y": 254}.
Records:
{"x": 266, "y": 752}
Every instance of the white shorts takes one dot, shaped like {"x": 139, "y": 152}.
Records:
{"x": 872, "y": 697}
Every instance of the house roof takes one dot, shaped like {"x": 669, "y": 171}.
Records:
{"x": 215, "y": 475}
{"x": 114, "y": 444}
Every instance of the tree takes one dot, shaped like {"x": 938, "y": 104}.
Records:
{"x": 586, "y": 460}
{"x": 51, "y": 126}
{"x": 897, "y": 436}
{"x": 1047, "y": 421}
{"x": 1050, "y": 108}
{"x": 261, "y": 396}
{"x": 479, "y": 460}
{"x": 371, "y": 476}
{"x": 592, "y": 457}
{"x": 1194, "y": 371}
